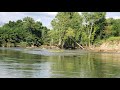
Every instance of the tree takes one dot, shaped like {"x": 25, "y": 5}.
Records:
{"x": 116, "y": 27}
{"x": 93, "y": 23}
{"x": 26, "y": 30}
{"x": 108, "y": 28}
{"x": 62, "y": 23}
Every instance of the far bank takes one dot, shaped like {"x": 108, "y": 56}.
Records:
{"x": 110, "y": 45}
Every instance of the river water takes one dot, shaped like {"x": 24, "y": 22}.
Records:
{"x": 26, "y": 63}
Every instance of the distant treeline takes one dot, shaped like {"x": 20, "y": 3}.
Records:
{"x": 69, "y": 29}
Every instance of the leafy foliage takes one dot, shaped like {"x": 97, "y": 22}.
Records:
{"x": 22, "y": 32}
{"x": 69, "y": 30}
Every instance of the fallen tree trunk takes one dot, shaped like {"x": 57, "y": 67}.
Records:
{"x": 77, "y": 43}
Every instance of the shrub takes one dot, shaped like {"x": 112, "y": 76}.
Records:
{"x": 23, "y": 44}
{"x": 114, "y": 39}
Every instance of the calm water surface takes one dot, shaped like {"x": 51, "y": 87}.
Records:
{"x": 23, "y": 63}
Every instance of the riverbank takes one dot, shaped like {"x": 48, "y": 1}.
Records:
{"x": 111, "y": 45}
{"x": 107, "y": 46}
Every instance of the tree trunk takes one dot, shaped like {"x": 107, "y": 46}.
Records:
{"x": 62, "y": 40}
{"x": 51, "y": 42}
{"x": 77, "y": 44}
{"x": 62, "y": 46}
{"x": 59, "y": 41}
{"x": 90, "y": 34}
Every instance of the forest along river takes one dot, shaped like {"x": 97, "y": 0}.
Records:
{"x": 26, "y": 63}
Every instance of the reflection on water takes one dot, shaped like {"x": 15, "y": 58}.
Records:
{"x": 15, "y": 63}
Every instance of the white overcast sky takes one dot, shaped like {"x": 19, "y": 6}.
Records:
{"x": 44, "y": 17}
